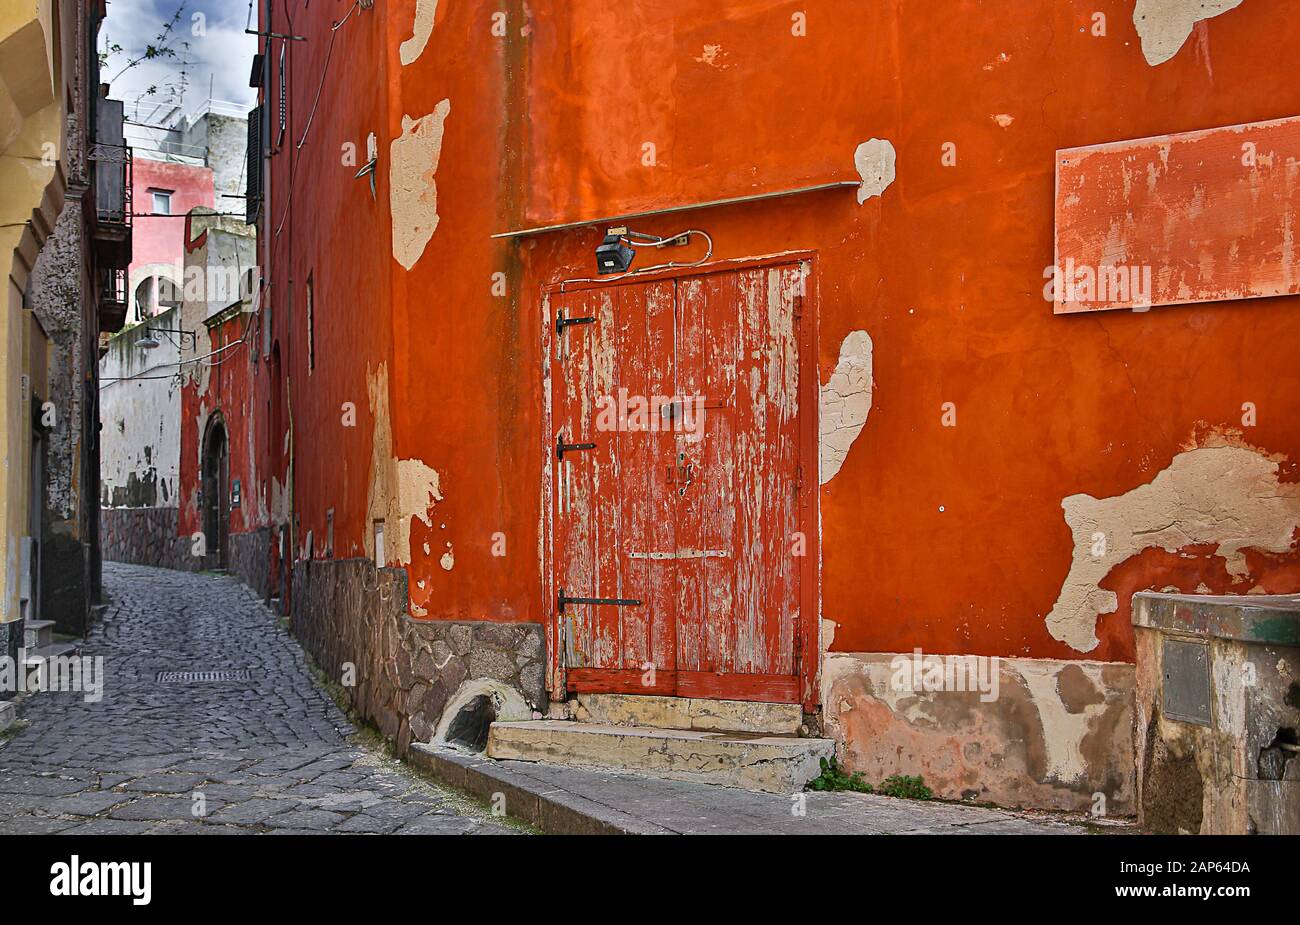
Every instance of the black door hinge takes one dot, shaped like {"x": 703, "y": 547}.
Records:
{"x": 561, "y": 447}
{"x": 564, "y": 599}
{"x": 561, "y": 322}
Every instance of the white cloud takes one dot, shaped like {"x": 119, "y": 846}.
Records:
{"x": 213, "y": 53}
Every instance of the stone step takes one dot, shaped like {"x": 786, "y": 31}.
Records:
{"x": 8, "y": 714}
{"x": 38, "y": 633}
{"x": 781, "y": 719}
{"x": 34, "y": 657}
{"x": 772, "y": 764}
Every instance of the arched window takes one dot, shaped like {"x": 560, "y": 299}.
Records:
{"x": 143, "y": 301}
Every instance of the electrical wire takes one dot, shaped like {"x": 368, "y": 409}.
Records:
{"x": 670, "y": 265}
{"x": 329, "y": 53}
{"x": 183, "y": 362}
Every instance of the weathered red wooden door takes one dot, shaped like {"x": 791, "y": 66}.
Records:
{"x": 677, "y": 490}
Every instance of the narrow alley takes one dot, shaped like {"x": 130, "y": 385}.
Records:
{"x": 268, "y": 753}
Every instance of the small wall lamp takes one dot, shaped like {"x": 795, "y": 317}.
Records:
{"x": 616, "y": 252}
{"x": 150, "y": 341}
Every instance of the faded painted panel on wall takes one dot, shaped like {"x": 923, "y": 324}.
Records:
{"x": 1198, "y": 217}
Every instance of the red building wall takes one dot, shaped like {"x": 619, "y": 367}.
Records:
{"x": 226, "y": 383}
{"x": 948, "y": 538}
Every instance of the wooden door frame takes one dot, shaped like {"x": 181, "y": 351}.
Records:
{"x": 808, "y": 639}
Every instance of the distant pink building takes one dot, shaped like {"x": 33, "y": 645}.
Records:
{"x": 162, "y": 193}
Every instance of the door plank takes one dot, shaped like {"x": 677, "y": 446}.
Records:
{"x": 782, "y": 473}
{"x": 751, "y": 440}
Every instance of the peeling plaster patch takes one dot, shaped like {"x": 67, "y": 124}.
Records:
{"x": 845, "y": 403}
{"x": 1003, "y": 119}
{"x": 1228, "y": 495}
{"x": 828, "y": 633}
{"x": 1058, "y": 732}
{"x": 412, "y": 193}
{"x": 448, "y": 560}
{"x": 1164, "y": 25}
{"x": 1063, "y": 729}
{"x": 412, "y": 48}
{"x": 400, "y": 489}
{"x": 279, "y": 503}
{"x": 874, "y": 160}
{"x": 712, "y": 56}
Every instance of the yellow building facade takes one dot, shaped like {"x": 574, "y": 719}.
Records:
{"x": 35, "y": 43}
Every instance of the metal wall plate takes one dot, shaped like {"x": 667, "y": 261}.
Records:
{"x": 1185, "y": 682}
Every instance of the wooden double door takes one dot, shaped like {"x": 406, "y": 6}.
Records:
{"x": 683, "y": 470}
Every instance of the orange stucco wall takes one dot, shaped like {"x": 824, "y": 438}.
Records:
{"x": 949, "y": 538}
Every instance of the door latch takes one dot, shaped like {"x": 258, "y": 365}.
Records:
{"x": 561, "y": 447}
{"x": 564, "y": 600}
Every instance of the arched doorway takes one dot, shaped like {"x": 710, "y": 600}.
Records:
{"x": 216, "y": 493}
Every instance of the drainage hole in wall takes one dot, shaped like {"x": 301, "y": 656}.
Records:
{"x": 469, "y": 728}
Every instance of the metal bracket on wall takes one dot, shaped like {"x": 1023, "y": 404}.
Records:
{"x": 685, "y": 207}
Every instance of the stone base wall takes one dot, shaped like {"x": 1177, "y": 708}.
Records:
{"x": 1049, "y": 734}
{"x": 250, "y": 557}
{"x": 146, "y": 536}
{"x": 11, "y": 640}
{"x": 411, "y": 678}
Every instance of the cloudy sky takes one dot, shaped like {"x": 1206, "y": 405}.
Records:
{"x": 211, "y": 49}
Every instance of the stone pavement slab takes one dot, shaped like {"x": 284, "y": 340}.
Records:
{"x": 566, "y": 800}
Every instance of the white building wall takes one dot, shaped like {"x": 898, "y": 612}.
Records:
{"x": 140, "y": 408}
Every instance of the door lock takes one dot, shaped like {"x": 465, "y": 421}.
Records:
{"x": 688, "y": 471}
{"x": 682, "y": 475}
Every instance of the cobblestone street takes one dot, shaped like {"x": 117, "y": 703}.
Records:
{"x": 269, "y": 754}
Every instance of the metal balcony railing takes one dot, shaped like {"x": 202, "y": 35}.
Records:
{"x": 113, "y": 177}
{"x": 112, "y": 287}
